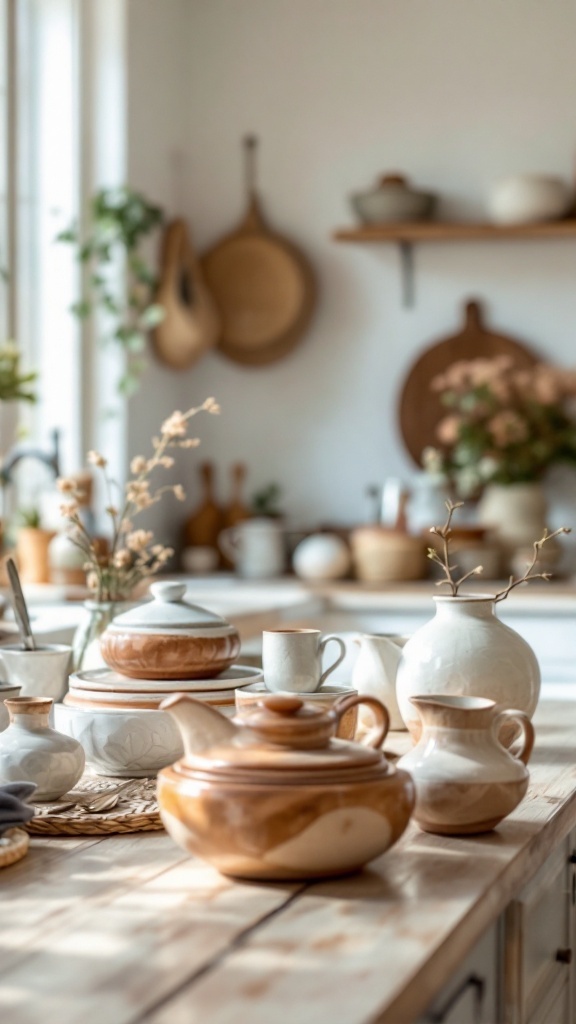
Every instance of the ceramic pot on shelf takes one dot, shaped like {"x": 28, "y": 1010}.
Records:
{"x": 516, "y": 513}
{"x": 31, "y": 751}
{"x": 466, "y": 780}
{"x": 272, "y": 795}
{"x": 465, "y": 650}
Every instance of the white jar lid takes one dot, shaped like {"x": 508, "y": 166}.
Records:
{"x": 168, "y": 610}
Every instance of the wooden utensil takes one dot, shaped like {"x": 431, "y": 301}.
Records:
{"x": 236, "y": 511}
{"x": 191, "y": 323}
{"x": 205, "y": 523}
{"x": 420, "y": 409}
{"x": 262, "y": 285}
{"x": 20, "y": 608}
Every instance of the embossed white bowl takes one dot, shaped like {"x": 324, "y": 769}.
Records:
{"x": 130, "y": 743}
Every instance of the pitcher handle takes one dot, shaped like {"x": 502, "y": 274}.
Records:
{"x": 376, "y": 736}
{"x": 339, "y": 659}
{"x": 228, "y": 543}
{"x": 526, "y": 732}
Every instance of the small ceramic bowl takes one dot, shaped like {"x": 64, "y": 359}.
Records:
{"x": 129, "y": 743}
{"x": 169, "y": 638}
{"x": 323, "y": 698}
{"x": 393, "y": 200}
{"x": 39, "y": 673}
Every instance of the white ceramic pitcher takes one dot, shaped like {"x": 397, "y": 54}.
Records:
{"x": 256, "y": 547}
{"x": 375, "y": 672}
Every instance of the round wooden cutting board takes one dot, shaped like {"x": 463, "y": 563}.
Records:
{"x": 420, "y": 409}
{"x": 262, "y": 285}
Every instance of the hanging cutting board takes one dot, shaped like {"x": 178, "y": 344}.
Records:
{"x": 191, "y": 323}
{"x": 420, "y": 409}
{"x": 262, "y": 285}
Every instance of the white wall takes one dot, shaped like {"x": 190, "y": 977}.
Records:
{"x": 454, "y": 94}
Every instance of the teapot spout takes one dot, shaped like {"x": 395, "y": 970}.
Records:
{"x": 200, "y": 725}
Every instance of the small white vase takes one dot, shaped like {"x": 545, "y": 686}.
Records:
{"x": 465, "y": 650}
{"x": 30, "y": 751}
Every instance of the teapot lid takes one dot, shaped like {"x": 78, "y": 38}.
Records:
{"x": 168, "y": 610}
{"x": 285, "y": 739}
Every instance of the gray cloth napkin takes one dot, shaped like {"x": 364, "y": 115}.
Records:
{"x": 14, "y": 809}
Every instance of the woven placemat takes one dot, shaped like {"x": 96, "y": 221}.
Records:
{"x": 13, "y": 846}
{"x": 136, "y": 811}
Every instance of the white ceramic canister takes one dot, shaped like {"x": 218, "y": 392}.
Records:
{"x": 466, "y": 780}
{"x": 30, "y": 751}
{"x": 466, "y": 650}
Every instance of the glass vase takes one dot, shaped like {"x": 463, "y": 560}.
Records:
{"x": 86, "y": 642}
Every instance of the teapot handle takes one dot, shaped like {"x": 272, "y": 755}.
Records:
{"x": 526, "y": 732}
{"x": 375, "y": 738}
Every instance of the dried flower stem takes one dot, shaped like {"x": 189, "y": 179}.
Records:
{"x": 132, "y": 555}
{"x": 443, "y": 559}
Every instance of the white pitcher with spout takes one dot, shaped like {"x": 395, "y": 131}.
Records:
{"x": 375, "y": 673}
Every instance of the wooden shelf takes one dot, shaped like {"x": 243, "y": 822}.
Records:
{"x": 437, "y": 231}
{"x": 406, "y": 234}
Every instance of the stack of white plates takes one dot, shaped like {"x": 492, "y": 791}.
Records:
{"x": 119, "y": 723}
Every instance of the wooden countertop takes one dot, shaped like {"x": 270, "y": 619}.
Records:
{"x": 128, "y": 929}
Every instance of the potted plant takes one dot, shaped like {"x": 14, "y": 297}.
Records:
{"x": 119, "y": 221}
{"x": 32, "y": 547}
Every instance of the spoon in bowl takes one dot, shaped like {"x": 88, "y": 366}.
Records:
{"x": 19, "y": 605}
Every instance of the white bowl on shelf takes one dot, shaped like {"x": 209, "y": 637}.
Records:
{"x": 529, "y": 199}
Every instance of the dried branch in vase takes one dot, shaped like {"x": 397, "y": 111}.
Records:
{"x": 442, "y": 558}
{"x": 132, "y": 555}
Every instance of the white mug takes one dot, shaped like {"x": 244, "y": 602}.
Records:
{"x": 292, "y": 659}
{"x": 40, "y": 673}
{"x": 256, "y": 547}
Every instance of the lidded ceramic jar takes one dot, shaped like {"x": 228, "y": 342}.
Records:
{"x": 272, "y": 795}
{"x": 169, "y": 638}
{"x": 466, "y": 780}
{"x": 30, "y": 751}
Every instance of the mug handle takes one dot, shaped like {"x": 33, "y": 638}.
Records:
{"x": 526, "y": 732}
{"x": 228, "y": 543}
{"x": 339, "y": 659}
{"x": 375, "y": 738}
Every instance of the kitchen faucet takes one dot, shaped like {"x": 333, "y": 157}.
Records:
{"x": 25, "y": 451}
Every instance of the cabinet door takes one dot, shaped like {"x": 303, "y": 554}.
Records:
{"x": 537, "y": 943}
{"x": 470, "y": 997}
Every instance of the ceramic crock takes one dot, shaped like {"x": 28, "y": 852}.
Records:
{"x": 466, "y": 650}
{"x": 273, "y": 795}
{"x": 169, "y": 638}
{"x": 30, "y": 751}
{"x": 466, "y": 780}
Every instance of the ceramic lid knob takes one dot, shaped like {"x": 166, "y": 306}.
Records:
{"x": 168, "y": 592}
{"x": 282, "y": 705}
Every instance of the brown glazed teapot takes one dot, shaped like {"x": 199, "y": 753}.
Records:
{"x": 273, "y": 795}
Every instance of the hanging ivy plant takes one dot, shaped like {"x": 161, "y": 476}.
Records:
{"x": 119, "y": 221}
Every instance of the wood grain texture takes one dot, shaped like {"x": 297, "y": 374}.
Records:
{"x": 127, "y": 929}
{"x": 437, "y": 231}
{"x": 420, "y": 409}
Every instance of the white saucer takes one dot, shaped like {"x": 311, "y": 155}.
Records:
{"x": 105, "y": 679}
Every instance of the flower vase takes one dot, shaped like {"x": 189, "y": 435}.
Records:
{"x": 465, "y": 650}
{"x": 517, "y": 515}
{"x": 86, "y": 643}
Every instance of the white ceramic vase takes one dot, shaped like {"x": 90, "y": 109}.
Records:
{"x": 516, "y": 513}
{"x": 466, "y": 650}
{"x": 30, "y": 751}
{"x": 466, "y": 781}
{"x": 375, "y": 671}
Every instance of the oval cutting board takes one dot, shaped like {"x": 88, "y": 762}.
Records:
{"x": 262, "y": 285}
{"x": 420, "y": 409}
